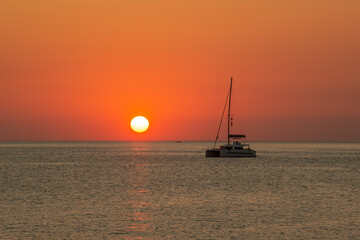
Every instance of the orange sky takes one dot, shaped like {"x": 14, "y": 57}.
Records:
{"x": 80, "y": 70}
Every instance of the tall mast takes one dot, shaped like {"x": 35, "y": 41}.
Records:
{"x": 229, "y": 112}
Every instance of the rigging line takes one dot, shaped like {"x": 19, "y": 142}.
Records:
{"x": 241, "y": 122}
{"x": 243, "y": 117}
{"x": 239, "y": 117}
{"x": 222, "y": 116}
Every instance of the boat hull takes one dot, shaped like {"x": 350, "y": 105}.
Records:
{"x": 212, "y": 153}
{"x": 230, "y": 153}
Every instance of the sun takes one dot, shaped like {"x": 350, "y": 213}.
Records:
{"x": 139, "y": 124}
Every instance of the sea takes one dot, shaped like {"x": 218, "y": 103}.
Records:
{"x": 169, "y": 190}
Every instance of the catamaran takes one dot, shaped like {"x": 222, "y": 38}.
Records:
{"x": 237, "y": 148}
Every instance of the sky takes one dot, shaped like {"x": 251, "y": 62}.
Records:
{"x": 82, "y": 69}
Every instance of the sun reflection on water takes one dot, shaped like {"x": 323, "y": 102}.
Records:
{"x": 139, "y": 216}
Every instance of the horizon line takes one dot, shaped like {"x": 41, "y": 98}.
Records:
{"x": 254, "y": 141}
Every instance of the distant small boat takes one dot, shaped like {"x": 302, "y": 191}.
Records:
{"x": 234, "y": 149}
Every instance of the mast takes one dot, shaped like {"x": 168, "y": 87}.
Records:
{"x": 229, "y": 112}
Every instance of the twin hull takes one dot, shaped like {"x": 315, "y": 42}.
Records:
{"x": 230, "y": 153}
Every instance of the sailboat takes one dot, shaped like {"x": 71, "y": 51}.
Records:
{"x": 236, "y": 148}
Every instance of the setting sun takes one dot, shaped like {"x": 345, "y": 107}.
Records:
{"x": 139, "y": 124}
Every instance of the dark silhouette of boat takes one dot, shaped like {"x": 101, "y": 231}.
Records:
{"x": 235, "y": 149}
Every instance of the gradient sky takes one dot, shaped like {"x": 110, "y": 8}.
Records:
{"x": 81, "y": 70}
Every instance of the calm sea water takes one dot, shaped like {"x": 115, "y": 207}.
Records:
{"x": 169, "y": 190}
